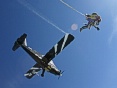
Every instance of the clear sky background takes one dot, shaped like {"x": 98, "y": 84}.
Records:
{"x": 90, "y": 61}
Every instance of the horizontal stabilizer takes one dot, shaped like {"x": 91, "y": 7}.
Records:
{"x": 33, "y": 71}
{"x": 67, "y": 39}
{"x": 16, "y": 46}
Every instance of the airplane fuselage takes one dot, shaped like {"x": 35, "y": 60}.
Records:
{"x": 39, "y": 60}
{"x": 43, "y": 62}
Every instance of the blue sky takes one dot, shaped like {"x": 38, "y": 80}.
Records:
{"x": 89, "y": 61}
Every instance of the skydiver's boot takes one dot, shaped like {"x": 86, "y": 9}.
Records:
{"x": 97, "y": 28}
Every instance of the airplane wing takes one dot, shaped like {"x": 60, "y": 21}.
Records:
{"x": 34, "y": 70}
{"x": 56, "y": 49}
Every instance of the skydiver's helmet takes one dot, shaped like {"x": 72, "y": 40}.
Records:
{"x": 94, "y": 13}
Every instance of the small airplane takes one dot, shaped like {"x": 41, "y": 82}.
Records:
{"x": 43, "y": 62}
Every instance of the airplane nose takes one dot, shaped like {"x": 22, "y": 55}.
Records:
{"x": 60, "y": 74}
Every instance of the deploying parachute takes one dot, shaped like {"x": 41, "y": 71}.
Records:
{"x": 93, "y": 20}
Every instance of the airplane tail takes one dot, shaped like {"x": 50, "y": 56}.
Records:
{"x": 19, "y": 42}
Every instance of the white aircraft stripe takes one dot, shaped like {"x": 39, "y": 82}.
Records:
{"x": 55, "y": 48}
{"x": 34, "y": 68}
{"x": 28, "y": 74}
{"x": 65, "y": 39}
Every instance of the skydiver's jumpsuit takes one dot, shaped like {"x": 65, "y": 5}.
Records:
{"x": 91, "y": 21}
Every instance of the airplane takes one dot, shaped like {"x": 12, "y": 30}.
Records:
{"x": 43, "y": 62}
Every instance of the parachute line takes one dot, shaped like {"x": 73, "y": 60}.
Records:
{"x": 31, "y": 8}
{"x": 71, "y": 7}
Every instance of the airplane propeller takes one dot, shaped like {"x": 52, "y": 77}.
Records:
{"x": 60, "y": 74}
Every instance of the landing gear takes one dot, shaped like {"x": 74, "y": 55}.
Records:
{"x": 42, "y": 75}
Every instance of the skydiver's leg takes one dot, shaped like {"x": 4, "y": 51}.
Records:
{"x": 95, "y": 25}
{"x": 88, "y": 25}
{"x": 84, "y": 27}
{"x": 42, "y": 75}
{"x": 98, "y": 28}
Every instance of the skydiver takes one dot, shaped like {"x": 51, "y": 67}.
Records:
{"x": 93, "y": 20}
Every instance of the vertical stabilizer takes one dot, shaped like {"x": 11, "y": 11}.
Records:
{"x": 19, "y": 42}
